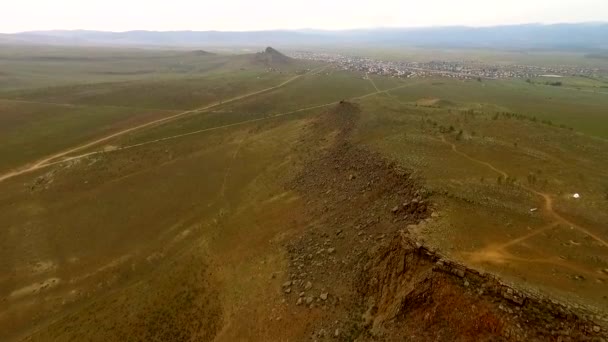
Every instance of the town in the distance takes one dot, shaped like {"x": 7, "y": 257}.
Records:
{"x": 465, "y": 69}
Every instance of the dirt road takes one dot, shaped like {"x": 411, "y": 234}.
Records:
{"x": 48, "y": 160}
{"x": 547, "y": 199}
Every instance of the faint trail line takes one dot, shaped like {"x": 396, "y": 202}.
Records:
{"x": 499, "y": 255}
{"x": 47, "y": 160}
{"x": 104, "y": 295}
{"x": 397, "y": 99}
{"x": 75, "y": 105}
{"x": 318, "y": 70}
{"x": 484, "y": 163}
{"x": 549, "y": 205}
{"x": 529, "y": 235}
{"x": 122, "y": 148}
{"x": 401, "y": 102}
{"x": 228, "y": 169}
{"x": 382, "y": 91}
{"x": 548, "y": 200}
{"x": 372, "y": 81}
{"x": 184, "y": 135}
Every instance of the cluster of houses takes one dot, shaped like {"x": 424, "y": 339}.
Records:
{"x": 451, "y": 69}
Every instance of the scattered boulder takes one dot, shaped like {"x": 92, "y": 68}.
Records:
{"x": 404, "y": 276}
{"x": 459, "y": 272}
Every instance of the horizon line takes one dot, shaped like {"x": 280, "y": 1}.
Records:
{"x": 317, "y": 29}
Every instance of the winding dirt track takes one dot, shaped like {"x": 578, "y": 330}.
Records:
{"x": 558, "y": 218}
{"x": 498, "y": 253}
{"x": 48, "y": 160}
{"x": 547, "y": 199}
{"x": 121, "y": 148}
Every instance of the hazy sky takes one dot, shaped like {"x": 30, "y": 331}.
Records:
{"x": 122, "y": 15}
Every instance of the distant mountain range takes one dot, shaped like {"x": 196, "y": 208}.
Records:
{"x": 587, "y": 36}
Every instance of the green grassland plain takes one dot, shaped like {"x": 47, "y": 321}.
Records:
{"x": 186, "y": 228}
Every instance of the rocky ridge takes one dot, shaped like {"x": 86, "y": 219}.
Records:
{"x": 355, "y": 272}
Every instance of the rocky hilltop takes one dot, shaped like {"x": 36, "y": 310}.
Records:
{"x": 273, "y": 58}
